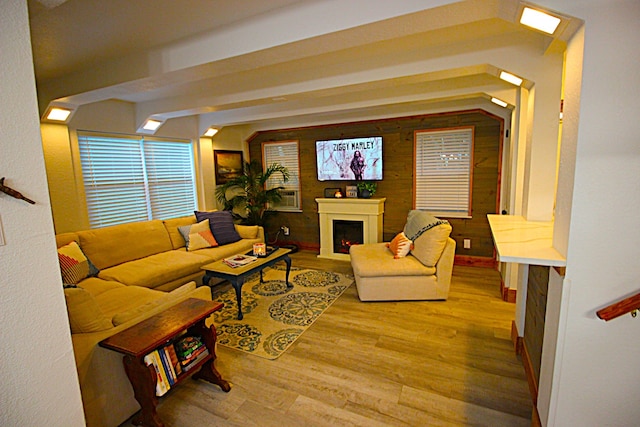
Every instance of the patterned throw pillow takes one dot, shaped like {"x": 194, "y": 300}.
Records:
{"x": 222, "y": 227}
{"x": 74, "y": 264}
{"x": 400, "y": 246}
{"x": 198, "y": 236}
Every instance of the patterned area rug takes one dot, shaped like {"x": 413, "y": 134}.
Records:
{"x": 274, "y": 317}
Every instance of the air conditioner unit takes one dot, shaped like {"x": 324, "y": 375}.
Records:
{"x": 289, "y": 200}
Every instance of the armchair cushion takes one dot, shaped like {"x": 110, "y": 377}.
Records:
{"x": 429, "y": 246}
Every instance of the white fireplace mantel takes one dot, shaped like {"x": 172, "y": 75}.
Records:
{"x": 369, "y": 211}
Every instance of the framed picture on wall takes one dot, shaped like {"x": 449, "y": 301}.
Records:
{"x": 228, "y": 165}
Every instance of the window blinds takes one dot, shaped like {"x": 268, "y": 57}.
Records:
{"x": 129, "y": 179}
{"x": 284, "y": 153}
{"x": 443, "y": 171}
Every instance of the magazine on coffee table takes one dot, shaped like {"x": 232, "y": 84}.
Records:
{"x": 239, "y": 260}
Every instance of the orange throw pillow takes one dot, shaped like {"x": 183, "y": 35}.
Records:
{"x": 400, "y": 246}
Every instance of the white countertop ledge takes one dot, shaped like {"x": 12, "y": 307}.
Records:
{"x": 525, "y": 242}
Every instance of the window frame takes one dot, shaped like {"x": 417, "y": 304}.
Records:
{"x": 293, "y": 184}
{"x": 158, "y": 166}
{"x": 462, "y": 212}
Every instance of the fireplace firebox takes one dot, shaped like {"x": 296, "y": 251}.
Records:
{"x": 345, "y": 234}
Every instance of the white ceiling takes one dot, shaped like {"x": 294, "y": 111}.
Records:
{"x": 196, "y": 57}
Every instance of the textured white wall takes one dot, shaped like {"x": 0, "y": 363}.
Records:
{"x": 597, "y": 374}
{"x": 38, "y": 376}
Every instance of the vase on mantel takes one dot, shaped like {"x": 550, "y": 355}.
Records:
{"x": 365, "y": 194}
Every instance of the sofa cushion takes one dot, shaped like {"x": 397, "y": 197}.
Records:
{"x": 429, "y": 246}
{"x": 171, "y": 225}
{"x": 84, "y": 312}
{"x": 74, "y": 264}
{"x": 127, "y": 315}
{"x": 116, "y": 244}
{"x": 400, "y": 245}
{"x": 198, "y": 236}
{"x": 418, "y": 222}
{"x": 95, "y": 285}
{"x": 156, "y": 270}
{"x": 222, "y": 226}
{"x": 247, "y": 231}
{"x": 125, "y": 298}
{"x": 375, "y": 259}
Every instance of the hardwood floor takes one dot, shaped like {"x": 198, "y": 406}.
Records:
{"x": 447, "y": 363}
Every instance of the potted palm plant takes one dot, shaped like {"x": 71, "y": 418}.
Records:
{"x": 246, "y": 196}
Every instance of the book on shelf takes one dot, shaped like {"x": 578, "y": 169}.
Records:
{"x": 152, "y": 359}
{"x": 195, "y": 360}
{"x": 192, "y": 356}
{"x": 175, "y": 362}
{"x": 187, "y": 345}
{"x": 168, "y": 366}
{"x": 239, "y": 260}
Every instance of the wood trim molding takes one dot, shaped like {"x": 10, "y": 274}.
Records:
{"x": 528, "y": 369}
{"x": 508, "y": 294}
{"x": 516, "y": 339}
{"x": 475, "y": 261}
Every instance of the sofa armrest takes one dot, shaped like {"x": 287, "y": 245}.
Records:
{"x": 444, "y": 266}
{"x": 107, "y": 395}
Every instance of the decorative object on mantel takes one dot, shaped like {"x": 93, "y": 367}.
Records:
{"x": 14, "y": 193}
{"x": 352, "y": 191}
{"x": 332, "y": 192}
{"x": 367, "y": 189}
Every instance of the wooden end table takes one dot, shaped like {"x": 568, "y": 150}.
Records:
{"x": 238, "y": 275}
{"x": 155, "y": 332}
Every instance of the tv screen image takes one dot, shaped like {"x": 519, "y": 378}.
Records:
{"x": 353, "y": 159}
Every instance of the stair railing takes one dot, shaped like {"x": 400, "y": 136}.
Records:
{"x": 628, "y": 305}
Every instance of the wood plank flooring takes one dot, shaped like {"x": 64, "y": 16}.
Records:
{"x": 446, "y": 363}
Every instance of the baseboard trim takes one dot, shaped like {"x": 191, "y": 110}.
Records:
{"x": 520, "y": 348}
{"x": 508, "y": 294}
{"x": 475, "y": 261}
{"x": 516, "y": 339}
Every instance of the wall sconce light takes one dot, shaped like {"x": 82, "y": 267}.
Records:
{"x": 508, "y": 77}
{"x": 210, "y": 132}
{"x": 539, "y": 20}
{"x": 499, "y": 102}
{"x": 58, "y": 114}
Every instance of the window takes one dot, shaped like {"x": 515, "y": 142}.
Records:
{"x": 286, "y": 154}
{"x": 443, "y": 173}
{"x": 133, "y": 178}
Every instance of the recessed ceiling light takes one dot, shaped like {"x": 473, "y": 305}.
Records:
{"x": 508, "y": 77}
{"x": 499, "y": 102}
{"x": 210, "y": 132}
{"x": 58, "y": 114}
{"x": 152, "y": 125}
{"x": 539, "y": 20}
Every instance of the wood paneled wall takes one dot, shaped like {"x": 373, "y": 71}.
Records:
{"x": 397, "y": 185}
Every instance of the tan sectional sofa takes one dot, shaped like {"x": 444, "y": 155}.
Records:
{"x": 144, "y": 269}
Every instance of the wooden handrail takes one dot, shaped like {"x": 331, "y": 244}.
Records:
{"x": 627, "y": 305}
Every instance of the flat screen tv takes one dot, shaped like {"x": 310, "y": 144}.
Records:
{"x": 353, "y": 159}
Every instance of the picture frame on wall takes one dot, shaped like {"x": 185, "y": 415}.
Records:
{"x": 228, "y": 165}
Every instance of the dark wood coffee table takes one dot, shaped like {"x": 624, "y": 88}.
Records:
{"x": 236, "y": 276}
{"x": 155, "y": 332}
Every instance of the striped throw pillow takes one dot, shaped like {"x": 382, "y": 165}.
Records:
{"x": 74, "y": 264}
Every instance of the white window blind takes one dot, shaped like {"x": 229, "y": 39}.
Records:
{"x": 284, "y": 153}
{"x": 130, "y": 178}
{"x": 443, "y": 172}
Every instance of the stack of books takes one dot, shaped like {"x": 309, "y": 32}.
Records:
{"x": 239, "y": 260}
{"x": 173, "y": 359}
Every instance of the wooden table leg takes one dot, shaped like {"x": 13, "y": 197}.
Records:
{"x": 208, "y": 371}
{"x": 143, "y": 380}
{"x": 287, "y": 260}
{"x": 237, "y": 285}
